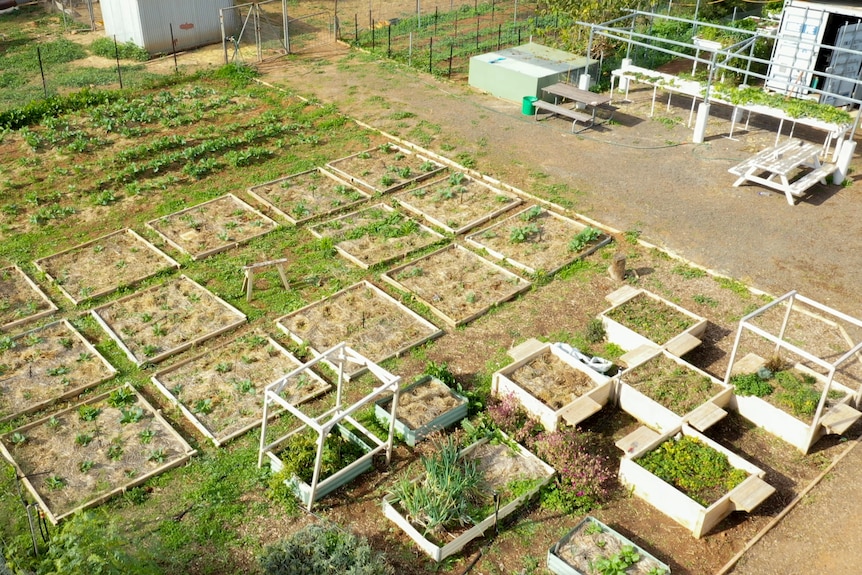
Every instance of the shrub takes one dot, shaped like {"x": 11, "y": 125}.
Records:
{"x": 322, "y": 550}
{"x": 508, "y": 414}
{"x": 128, "y": 50}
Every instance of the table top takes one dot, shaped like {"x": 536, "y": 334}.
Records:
{"x": 576, "y": 94}
{"x": 786, "y": 157}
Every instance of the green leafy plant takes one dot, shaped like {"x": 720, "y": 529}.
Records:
{"x": 55, "y": 482}
{"x": 85, "y": 466}
{"x": 751, "y": 384}
{"x": 88, "y": 412}
{"x": 83, "y": 439}
{"x": 532, "y": 213}
{"x": 520, "y": 234}
{"x": 301, "y": 451}
{"x": 223, "y": 367}
{"x": 157, "y": 455}
{"x": 17, "y": 438}
{"x": 131, "y": 415}
{"x": 584, "y": 238}
{"x": 59, "y": 370}
{"x": 122, "y": 397}
{"x": 115, "y": 452}
{"x": 53, "y": 422}
{"x": 146, "y": 436}
{"x": 203, "y": 406}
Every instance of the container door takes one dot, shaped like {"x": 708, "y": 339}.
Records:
{"x": 844, "y": 64}
{"x": 795, "y": 53}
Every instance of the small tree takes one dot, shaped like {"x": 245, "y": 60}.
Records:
{"x": 323, "y": 550}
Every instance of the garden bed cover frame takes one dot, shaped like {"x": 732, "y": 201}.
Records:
{"x": 337, "y": 356}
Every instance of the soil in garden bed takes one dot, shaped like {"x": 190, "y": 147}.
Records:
{"x": 551, "y": 380}
{"x": 674, "y": 386}
{"x": 385, "y": 168}
{"x": 651, "y": 318}
{"x": 534, "y": 238}
{"x": 423, "y": 403}
{"x": 18, "y": 299}
{"x": 790, "y": 390}
{"x": 589, "y": 543}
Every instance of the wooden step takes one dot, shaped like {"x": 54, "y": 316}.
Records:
{"x": 751, "y": 493}
{"x": 839, "y": 419}
{"x": 637, "y": 439}
{"x": 705, "y": 416}
{"x": 579, "y": 410}
{"x": 638, "y": 355}
{"x": 682, "y": 344}
{"x": 748, "y": 364}
{"x": 525, "y": 348}
{"x": 624, "y": 293}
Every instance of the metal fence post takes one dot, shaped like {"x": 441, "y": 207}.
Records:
{"x": 42, "y": 71}
{"x": 477, "y": 31}
{"x": 430, "y": 53}
{"x": 389, "y": 41}
{"x": 117, "y": 55}
{"x": 450, "y": 60}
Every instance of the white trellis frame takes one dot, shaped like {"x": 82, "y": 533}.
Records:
{"x": 322, "y": 424}
{"x": 834, "y": 420}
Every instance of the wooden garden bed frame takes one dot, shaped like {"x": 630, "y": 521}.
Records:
{"x": 391, "y": 254}
{"x": 475, "y": 240}
{"x": 573, "y": 412}
{"x": 316, "y": 347}
{"x": 359, "y": 179}
{"x": 45, "y": 264}
{"x": 338, "y": 356}
{"x": 404, "y": 200}
{"x": 241, "y": 319}
{"x": 453, "y": 322}
{"x": 111, "y": 371}
{"x": 40, "y": 295}
{"x": 798, "y": 433}
{"x": 259, "y": 194}
{"x": 270, "y": 225}
{"x": 639, "y": 345}
{"x": 674, "y": 503}
{"x": 55, "y": 518}
{"x": 655, "y": 415}
{"x": 215, "y": 436}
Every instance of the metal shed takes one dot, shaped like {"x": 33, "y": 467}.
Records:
{"x": 524, "y": 70}
{"x": 152, "y": 23}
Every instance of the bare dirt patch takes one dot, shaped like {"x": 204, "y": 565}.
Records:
{"x": 457, "y": 284}
{"x": 165, "y": 319}
{"x": 308, "y": 195}
{"x": 212, "y": 226}
{"x": 424, "y": 402}
{"x": 21, "y": 300}
{"x": 534, "y": 239}
{"x": 457, "y": 203}
{"x": 385, "y": 168}
{"x": 83, "y": 455}
{"x": 45, "y": 365}
{"x": 103, "y": 265}
{"x": 376, "y": 235}
{"x": 363, "y": 316}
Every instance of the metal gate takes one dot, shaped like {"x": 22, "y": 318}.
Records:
{"x": 844, "y": 64}
{"x": 310, "y": 32}
{"x": 260, "y": 35}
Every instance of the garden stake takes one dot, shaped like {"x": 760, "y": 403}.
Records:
{"x": 117, "y": 54}
{"x": 42, "y": 69}
{"x": 430, "y": 53}
{"x": 450, "y": 60}
{"x": 389, "y": 41}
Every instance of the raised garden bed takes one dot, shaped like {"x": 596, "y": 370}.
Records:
{"x": 537, "y": 240}
{"x": 82, "y": 456}
{"x": 592, "y": 546}
{"x": 220, "y": 391}
{"x": 696, "y": 482}
{"x": 21, "y": 300}
{"x": 456, "y": 284}
{"x": 307, "y": 195}
{"x": 784, "y": 403}
{"x": 457, "y": 203}
{"x": 553, "y": 386}
{"x": 163, "y": 320}
{"x": 366, "y": 318}
{"x": 375, "y": 235}
{"x": 385, "y": 168}
{"x": 504, "y": 468}
{"x": 104, "y": 265}
{"x": 212, "y": 227}
{"x": 664, "y": 390}
{"x": 640, "y": 318}
{"x": 424, "y": 407}
{"x": 46, "y": 365}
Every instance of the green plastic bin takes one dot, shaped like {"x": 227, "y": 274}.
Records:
{"x": 527, "y": 105}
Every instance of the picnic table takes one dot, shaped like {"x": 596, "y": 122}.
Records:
{"x": 582, "y": 99}
{"x": 779, "y": 163}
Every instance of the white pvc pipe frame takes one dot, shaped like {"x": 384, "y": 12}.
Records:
{"x": 323, "y": 423}
{"x": 791, "y": 298}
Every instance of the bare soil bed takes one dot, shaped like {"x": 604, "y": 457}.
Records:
{"x": 385, "y": 168}
{"x": 457, "y": 203}
{"x": 457, "y": 284}
{"x": 363, "y": 316}
{"x": 165, "y": 319}
{"x": 534, "y": 239}
{"x": 103, "y": 265}
{"x": 221, "y": 391}
{"x": 45, "y": 365}
{"x": 21, "y": 300}
{"x": 308, "y": 195}
{"x": 212, "y": 226}
{"x": 376, "y": 235}
{"x": 83, "y": 455}
{"x": 674, "y": 386}
{"x": 551, "y": 380}
{"x": 423, "y": 403}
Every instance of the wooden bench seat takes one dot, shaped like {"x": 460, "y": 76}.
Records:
{"x": 553, "y": 109}
{"x": 751, "y": 493}
{"x": 800, "y": 186}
